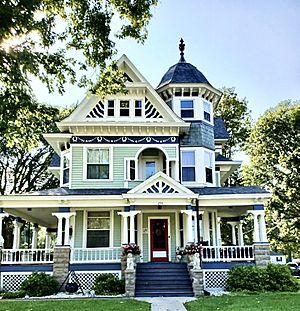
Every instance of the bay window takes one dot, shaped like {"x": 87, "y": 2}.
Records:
{"x": 98, "y": 229}
{"x": 97, "y": 163}
{"x": 188, "y": 166}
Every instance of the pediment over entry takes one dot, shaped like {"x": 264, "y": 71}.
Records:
{"x": 160, "y": 183}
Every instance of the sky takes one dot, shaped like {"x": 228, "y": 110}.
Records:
{"x": 252, "y": 45}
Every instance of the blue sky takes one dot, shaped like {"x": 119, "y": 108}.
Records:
{"x": 252, "y": 45}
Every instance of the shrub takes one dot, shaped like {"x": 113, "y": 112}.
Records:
{"x": 39, "y": 284}
{"x": 13, "y": 295}
{"x": 255, "y": 279}
{"x": 108, "y": 284}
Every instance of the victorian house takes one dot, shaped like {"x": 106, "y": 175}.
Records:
{"x": 144, "y": 167}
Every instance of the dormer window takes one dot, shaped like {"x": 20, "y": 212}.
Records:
{"x": 208, "y": 162}
{"x": 138, "y": 108}
{"x": 124, "y": 108}
{"x": 97, "y": 163}
{"x": 187, "y": 109}
{"x": 207, "y": 111}
{"x": 66, "y": 168}
{"x": 188, "y": 166}
{"x": 110, "y": 108}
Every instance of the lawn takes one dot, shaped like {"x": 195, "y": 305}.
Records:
{"x": 75, "y": 304}
{"x": 261, "y": 302}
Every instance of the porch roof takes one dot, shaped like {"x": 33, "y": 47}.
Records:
{"x": 229, "y": 190}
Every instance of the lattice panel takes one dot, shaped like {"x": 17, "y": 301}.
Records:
{"x": 87, "y": 279}
{"x": 215, "y": 279}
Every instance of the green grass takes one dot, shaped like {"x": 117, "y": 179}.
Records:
{"x": 74, "y": 305}
{"x": 255, "y": 302}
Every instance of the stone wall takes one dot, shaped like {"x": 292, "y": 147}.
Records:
{"x": 261, "y": 254}
{"x": 61, "y": 261}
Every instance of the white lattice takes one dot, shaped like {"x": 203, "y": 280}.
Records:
{"x": 87, "y": 278}
{"x": 215, "y": 279}
{"x": 11, "y": 281}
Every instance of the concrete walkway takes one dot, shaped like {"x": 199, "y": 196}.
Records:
{"x": 167, "y": 303}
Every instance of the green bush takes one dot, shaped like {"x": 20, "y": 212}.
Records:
{"x": 13, "y": 295}
{"x": 39, "y": 284}
{"x": 108, "y": 284}
{"x": 256, "y": 279}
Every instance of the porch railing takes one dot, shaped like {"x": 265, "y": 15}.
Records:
{"x": 26, "y": 256}
{"x": 81, "y": 255}
{"x": 227, "y": 253}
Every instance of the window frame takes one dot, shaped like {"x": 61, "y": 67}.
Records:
{"x": 140, "y": 109}
{"x": 111, "y": 108}
{"x": 188, "y": 166}
{"x": 208, "y": 167}
{"x": 65, "y": 154}
{"x": 207, "y": 112}
{"x": 127, "y": 109}
{"x": 85, "y": 163}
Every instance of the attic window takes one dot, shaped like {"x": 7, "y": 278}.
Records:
{"x": 207, "y": 111}
{"x": 138, "y": 108}
{"x": 124, "y": 108}
{"x": 110, "y": 108}
{"x": 187, "y": 108}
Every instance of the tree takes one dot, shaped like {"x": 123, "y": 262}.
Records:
{"x": 236, "y": 116}
{"x": 36, "y": 37}
{"x": 274, "y": 149}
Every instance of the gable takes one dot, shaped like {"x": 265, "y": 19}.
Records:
{"x": 160, "y": 183}
{"x": 140, "y": 92}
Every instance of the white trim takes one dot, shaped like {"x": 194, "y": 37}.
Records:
{"x": 68, "y": 154}
{"x": 149, "y": 235}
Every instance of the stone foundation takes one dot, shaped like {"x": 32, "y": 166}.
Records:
{"x": 130, "y": 282}
{"x": 197, "y": 282}
{"x": 61, "y": 261}
{"x": 261, "y": 254}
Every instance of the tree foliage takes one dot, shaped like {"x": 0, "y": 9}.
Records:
{"x": 274, "y": 149}
{"x": 236, "y": 116}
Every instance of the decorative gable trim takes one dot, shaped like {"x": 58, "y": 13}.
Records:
{"x": 160, "y": 187}
{"x": 150, "y": 111}
{"x": 97, "y": 111}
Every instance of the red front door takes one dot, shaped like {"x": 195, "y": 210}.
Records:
{"x": 159, "y": 239}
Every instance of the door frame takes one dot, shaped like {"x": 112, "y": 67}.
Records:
{"x": 149, "y": 235}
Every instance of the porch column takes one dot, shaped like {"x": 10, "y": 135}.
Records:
{"x": 189, "y": 225}
{"x": 67, "y": 216}
{"x": 2, "y": 215}
{"x": 195, "y": 226}
{"x": 124, "y": 215}
{"x": 241, "y": 233}
{"x": 233, "y": 234}
{"x": 17, "y": 232}
{"x": 205, "y": 227}
{"x": 132, "y": 215}
{"x": 35, "y": 230}
{"x": 255, "y": 214}
{"x": 47, "y": 240}
{"x": 262, "y": 227}
{"x": 59, "y": 227}
{"x": 219, "y": 237}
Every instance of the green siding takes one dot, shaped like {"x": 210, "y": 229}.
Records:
{"x": 117, "y": 229}
{"x": 78, "y": 229}
{"x": 171, "y": 151}
{"x": 172, "y": 234}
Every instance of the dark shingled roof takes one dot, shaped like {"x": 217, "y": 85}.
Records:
{"x": 222, "y": 158}
{"x": 229, "y": 190}
{"x": 55, "y": 161}
{"x": 66, "y": 191}
{"x": 183, "y": 72}
{"x": 220, "y": 131}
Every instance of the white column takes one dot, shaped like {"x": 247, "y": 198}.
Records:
{"x": 67, "y": 227}
{"x": 47, "y": 240}
{"x": 35, "y": 230}
{"x": 219, "y": 237}
{"x": 2, "y": 215}
{"x": 17, "y": 231}
{"x": 59, "y": 227}
{"x": 124, "y": 215}
{"x": 241, "y": 233}
{"x": 195, "y": 227}
{"x": 262, "y": 227}
{"x": 255, "y": 214}
{"x": 60, "y": 217}
{"x": 205, "y": 227}
{"x": 201, "y": 225}
{"x": 189, "y": 225}
{"x": 213, "y": 220}
{"x": 233, "y": 234}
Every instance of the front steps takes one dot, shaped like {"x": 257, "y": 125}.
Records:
{"x": 164, "y": 279}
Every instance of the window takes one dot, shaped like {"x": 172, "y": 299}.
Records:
{"x": 188, "y": 166}
{"x": 208, "y": 167}
{"x": 187, "y": 109}
{"x": 150, "y": 168}
{"x": 207, "y": 113}
{"x": 66, "y": 168}
{"x": 124, "y": 108}
{"x": 138, "y": 108}
{"x": 97, "y": 163}
{"x": 110, "y": 108}
{"x": 98, "y": 229}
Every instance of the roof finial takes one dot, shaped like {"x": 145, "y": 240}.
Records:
{"x": 181, "y": 49}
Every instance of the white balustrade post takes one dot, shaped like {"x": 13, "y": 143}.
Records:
{"x": 262, "y": 227}
{"x": 17, "y": 233}
{"x": 35, "y": 230}
{"x": 241, "y": 233}
{"x": 219, "y": 237}
{"x": 2, "y": 215}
